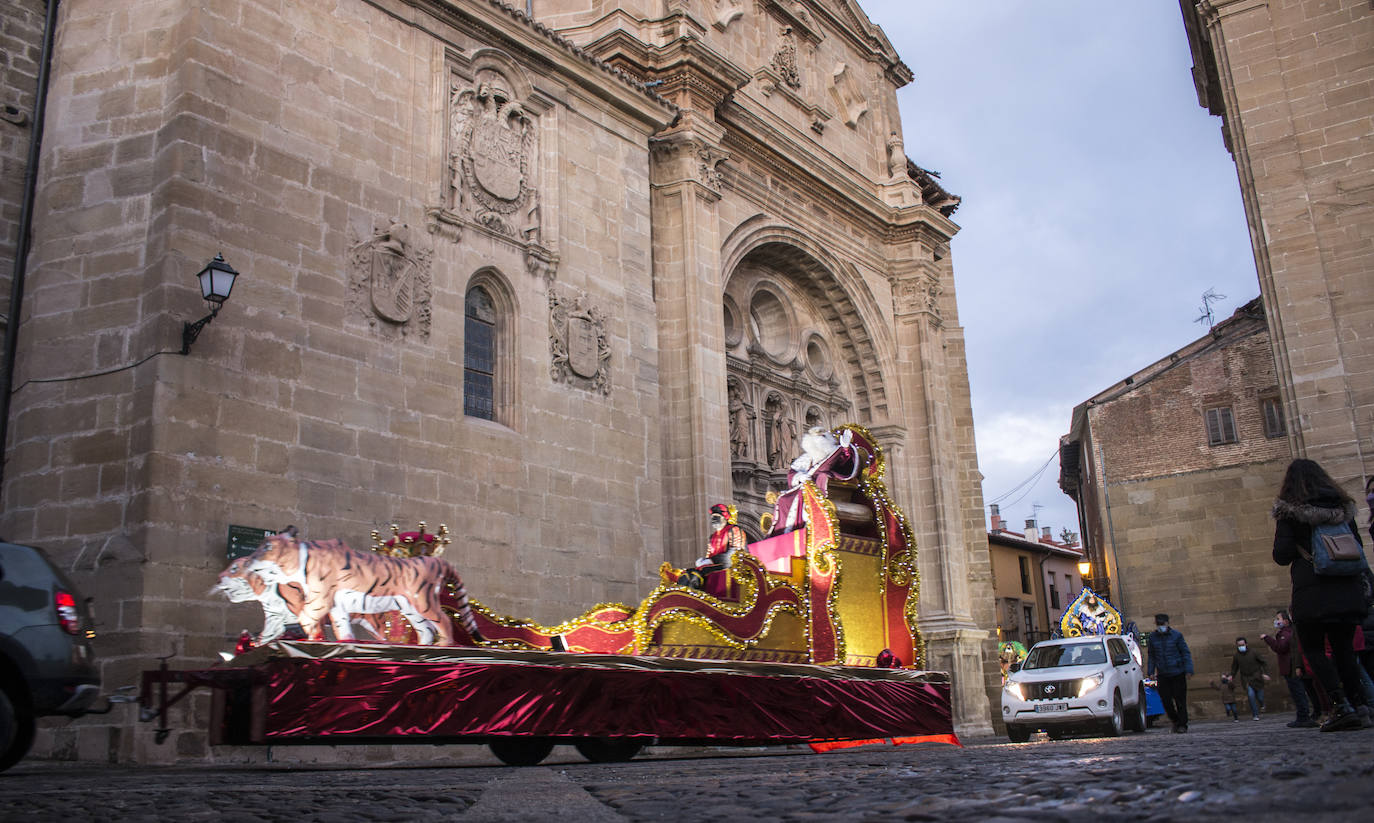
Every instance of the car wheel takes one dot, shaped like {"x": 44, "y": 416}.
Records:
{"x": 1135, "y": 721}
{"x": 521, "y": 751}
{"x": 1117, "y": 723}
{"x": 16, "y": 726}
{"x": 605, "y": 750}
{"x": 1018, "y": 734}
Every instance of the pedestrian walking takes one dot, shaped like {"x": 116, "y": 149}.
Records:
{"x": 1324, "y": 607}
{"x": 1288, "y": 660}
{"x": 1170, "y": 657}
{"x": 1226, "y": 690}
{"x": 1253, "y": 672}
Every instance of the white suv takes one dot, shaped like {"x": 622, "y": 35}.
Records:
{"x": 1073, "y": 684}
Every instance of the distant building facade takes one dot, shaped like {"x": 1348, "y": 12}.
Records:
{"x": 1174, "y": 469}
{"x": 1293, "y": 83}
{"x": 560, "y": 284}
{"x": 1035, "y": 578}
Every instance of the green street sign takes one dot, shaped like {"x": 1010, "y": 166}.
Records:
{"x": 244, "y": 539}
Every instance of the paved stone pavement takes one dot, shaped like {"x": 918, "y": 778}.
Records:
{"x": 1219, "y": 770}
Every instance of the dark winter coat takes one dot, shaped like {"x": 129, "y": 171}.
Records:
{"x": 1284, "y": 643}
{"x": 1249, "y": 667}
{"x": 1169, "y": 653}
{"x": 1316, "y": 597}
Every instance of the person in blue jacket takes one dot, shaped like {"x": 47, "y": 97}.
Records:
{"x": 1169, "y": 656}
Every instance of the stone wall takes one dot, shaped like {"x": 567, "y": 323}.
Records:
{"x": 21, "y": 43}
{"x": 294, "y": 141}
{"x": 1293, "y": 83}
{"x": 1197, "y": 546}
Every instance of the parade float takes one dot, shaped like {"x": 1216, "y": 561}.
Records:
{"x": 1090, "y": 613}
{"x": 808, "y": 635}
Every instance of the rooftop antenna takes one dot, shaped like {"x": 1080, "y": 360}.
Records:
{"x": 1035, "y": 511}
{"x": 1208, "y": 298}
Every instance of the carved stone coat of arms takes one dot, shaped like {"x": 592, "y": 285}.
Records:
{"x": 492, "y": 144}
{"x": 581, "y": 352}
{"x": 390, "y": 281}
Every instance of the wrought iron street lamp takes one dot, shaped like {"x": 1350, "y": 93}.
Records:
{"x": 216, "y": 282}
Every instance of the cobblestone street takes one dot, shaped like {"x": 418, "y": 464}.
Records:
{"x": 1217, "y": 771}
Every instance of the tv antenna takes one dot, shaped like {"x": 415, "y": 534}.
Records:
{"x": 1208, "y": 298}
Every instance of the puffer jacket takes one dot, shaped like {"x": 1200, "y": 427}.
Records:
{"x": 1169, "y": 654}
{"x": 1321, "y": 598}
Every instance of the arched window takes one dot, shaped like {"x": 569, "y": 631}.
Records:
{"x": 479, "y": 355}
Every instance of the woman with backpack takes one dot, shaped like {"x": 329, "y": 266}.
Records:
{"x": 1325, "y": 608}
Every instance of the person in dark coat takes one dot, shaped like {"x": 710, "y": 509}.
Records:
{"x": 1289, "y": 654}
{"x": 1325, "y": 608}
{"x": 1169, "y": 655}
{"x": 1367, "y": 656}
{"x": 1249, "y": 666}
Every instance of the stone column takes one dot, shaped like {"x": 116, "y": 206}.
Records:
{"x": 685, "y": 188}
{"x": 937, "y": 507}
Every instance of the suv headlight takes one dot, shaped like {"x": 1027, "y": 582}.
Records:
{"x": 1014, "y": 689}
{"x": 1087, "y": 684}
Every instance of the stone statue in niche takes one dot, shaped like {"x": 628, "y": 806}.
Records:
{"x": 739, "y": 424}
{"x": 491, "y": 149}
{"x": 578, "y": 344}
{"x": 785, "y": 60}
{"x": 782, "y": 433}
{"x": 390, "y": 280}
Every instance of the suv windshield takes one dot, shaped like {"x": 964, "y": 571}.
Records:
{"x": 1068, "y": 654}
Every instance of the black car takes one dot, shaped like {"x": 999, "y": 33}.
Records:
{"x": 46, "y": 663}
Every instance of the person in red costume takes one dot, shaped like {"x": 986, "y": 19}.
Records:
{"x": 727, "y": 538}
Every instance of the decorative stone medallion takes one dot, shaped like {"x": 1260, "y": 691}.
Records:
{"x": 581, "y": 352}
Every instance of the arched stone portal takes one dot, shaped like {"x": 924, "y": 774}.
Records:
{"x": 798, "y": 353}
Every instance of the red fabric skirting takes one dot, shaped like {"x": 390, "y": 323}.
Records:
{"x": 314, "y": 699}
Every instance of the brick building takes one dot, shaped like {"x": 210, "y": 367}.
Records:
{"x": 559, "y": 284}
{"x": 1034, "y": 578}
{"x": 1174, "y": 469}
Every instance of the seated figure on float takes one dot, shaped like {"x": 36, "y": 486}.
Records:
{"x": 824, "y": 455}
{"x": 710, "y": 572}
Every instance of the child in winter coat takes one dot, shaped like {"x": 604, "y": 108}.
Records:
{"x": 1227, "y": 689}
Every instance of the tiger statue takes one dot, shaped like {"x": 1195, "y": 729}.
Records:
{"x": 241, "y": 584}
{"x": 338, "y": 581}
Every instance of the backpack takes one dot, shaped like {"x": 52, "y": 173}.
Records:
{"x": 1335, "y": 552}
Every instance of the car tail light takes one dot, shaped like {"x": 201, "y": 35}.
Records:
{"x": 67, "y": 615}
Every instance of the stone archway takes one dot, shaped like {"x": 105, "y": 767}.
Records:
{"x": 799, "y": 352}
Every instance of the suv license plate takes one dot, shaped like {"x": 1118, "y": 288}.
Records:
{"x": 1052, "y": 707}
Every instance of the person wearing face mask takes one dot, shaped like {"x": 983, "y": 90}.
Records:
{"x": 1252, "y": 671}
{"x": 1170, "y": 657}
{"x": 1285, "y": 648}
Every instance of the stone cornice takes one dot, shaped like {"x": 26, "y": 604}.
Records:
{"x": 684, "y": 70}
{"x": 824, "y": 181}
{"x": 502, "y": 24}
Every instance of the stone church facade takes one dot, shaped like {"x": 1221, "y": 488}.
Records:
{"x": 558, "y": 283}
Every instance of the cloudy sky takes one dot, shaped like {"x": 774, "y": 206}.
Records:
{"x": 1099, "y": 203}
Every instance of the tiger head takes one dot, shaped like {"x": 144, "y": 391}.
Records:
{"x": 277, "y": 560}
{"x": 239, "y": 582}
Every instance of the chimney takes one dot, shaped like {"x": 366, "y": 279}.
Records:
{"x": 997, "y": 523}
{"x": 1045, "y": 535}
{"x": 1031, "y": 531}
